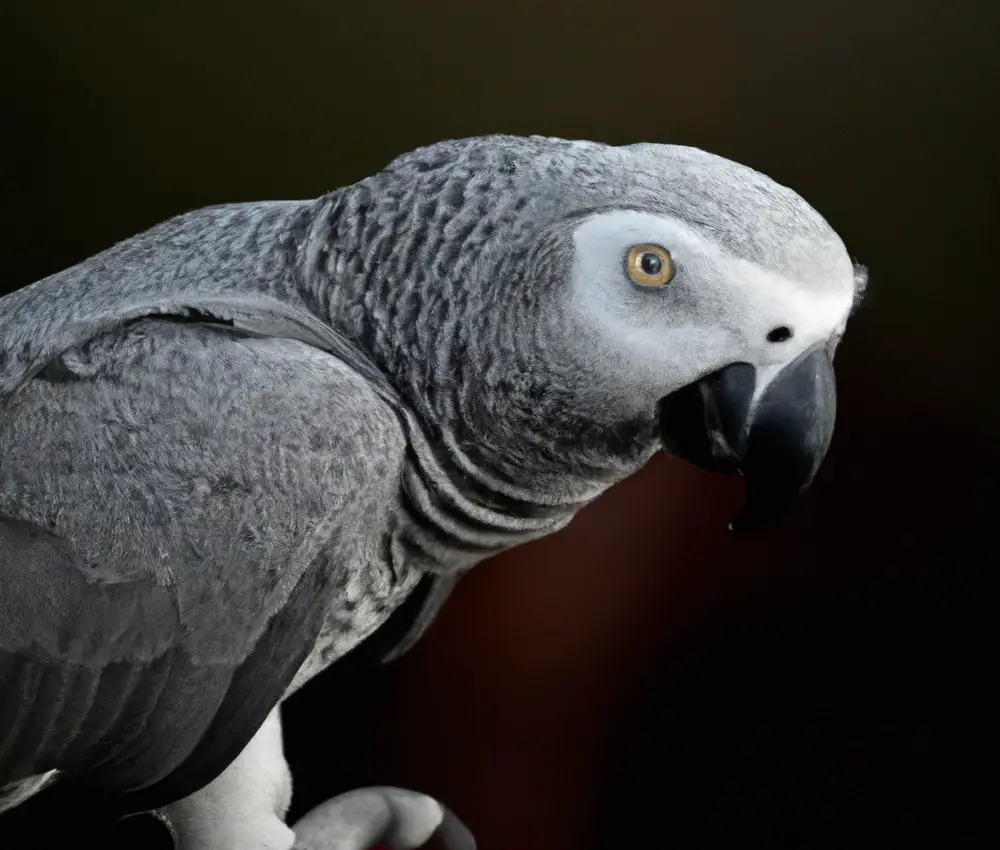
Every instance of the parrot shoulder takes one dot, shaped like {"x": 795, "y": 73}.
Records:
{"x": 184, "y": 496}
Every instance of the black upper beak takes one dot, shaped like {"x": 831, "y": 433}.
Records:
{"x": 777, "y": 444}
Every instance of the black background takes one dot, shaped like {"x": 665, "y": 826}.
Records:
{"x": 639, "y": 680}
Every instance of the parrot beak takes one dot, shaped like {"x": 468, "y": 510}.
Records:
{"x": 776, "y": 442}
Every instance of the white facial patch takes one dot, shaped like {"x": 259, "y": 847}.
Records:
{"x": 718, "y": 309}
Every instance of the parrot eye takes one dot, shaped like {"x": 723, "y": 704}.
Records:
{"x": 650, "y": 265}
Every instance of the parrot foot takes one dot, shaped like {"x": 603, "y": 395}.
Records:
{"x": 372, "y": 817}
{"x": 244, "y": 808}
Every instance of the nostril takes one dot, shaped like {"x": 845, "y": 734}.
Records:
{"x": 782, "y": 333}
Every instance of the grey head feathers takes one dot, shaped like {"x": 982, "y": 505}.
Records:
{"x": 452, "y": 268}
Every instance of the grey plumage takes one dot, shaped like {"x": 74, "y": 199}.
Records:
{"x": 161, "y": 546}
{"x": 235, "y": 443}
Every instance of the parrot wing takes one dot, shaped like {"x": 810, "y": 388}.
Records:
{"x": 172, "y": 481}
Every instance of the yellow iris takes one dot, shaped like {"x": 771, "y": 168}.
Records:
{"x": 650, "y": 265}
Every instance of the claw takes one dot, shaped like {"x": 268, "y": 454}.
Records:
{"x": 369, "y": 817}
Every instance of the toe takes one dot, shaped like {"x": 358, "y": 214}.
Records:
{"x": 371, "y": 818}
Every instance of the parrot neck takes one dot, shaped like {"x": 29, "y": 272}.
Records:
{"x": 465, "y": 377}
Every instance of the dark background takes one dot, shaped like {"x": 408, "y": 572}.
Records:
{"x": 640, "y": 680}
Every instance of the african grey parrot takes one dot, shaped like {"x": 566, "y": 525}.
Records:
{"x": 234, "y": 444}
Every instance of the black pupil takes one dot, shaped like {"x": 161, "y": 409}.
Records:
{"x": 650, "y": 263}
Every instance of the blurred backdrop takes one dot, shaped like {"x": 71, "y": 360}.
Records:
{"x": 640, "y": 680}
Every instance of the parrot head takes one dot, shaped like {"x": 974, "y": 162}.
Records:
{"x": 596, "y": 302}
{"x": 720, "y": 301}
